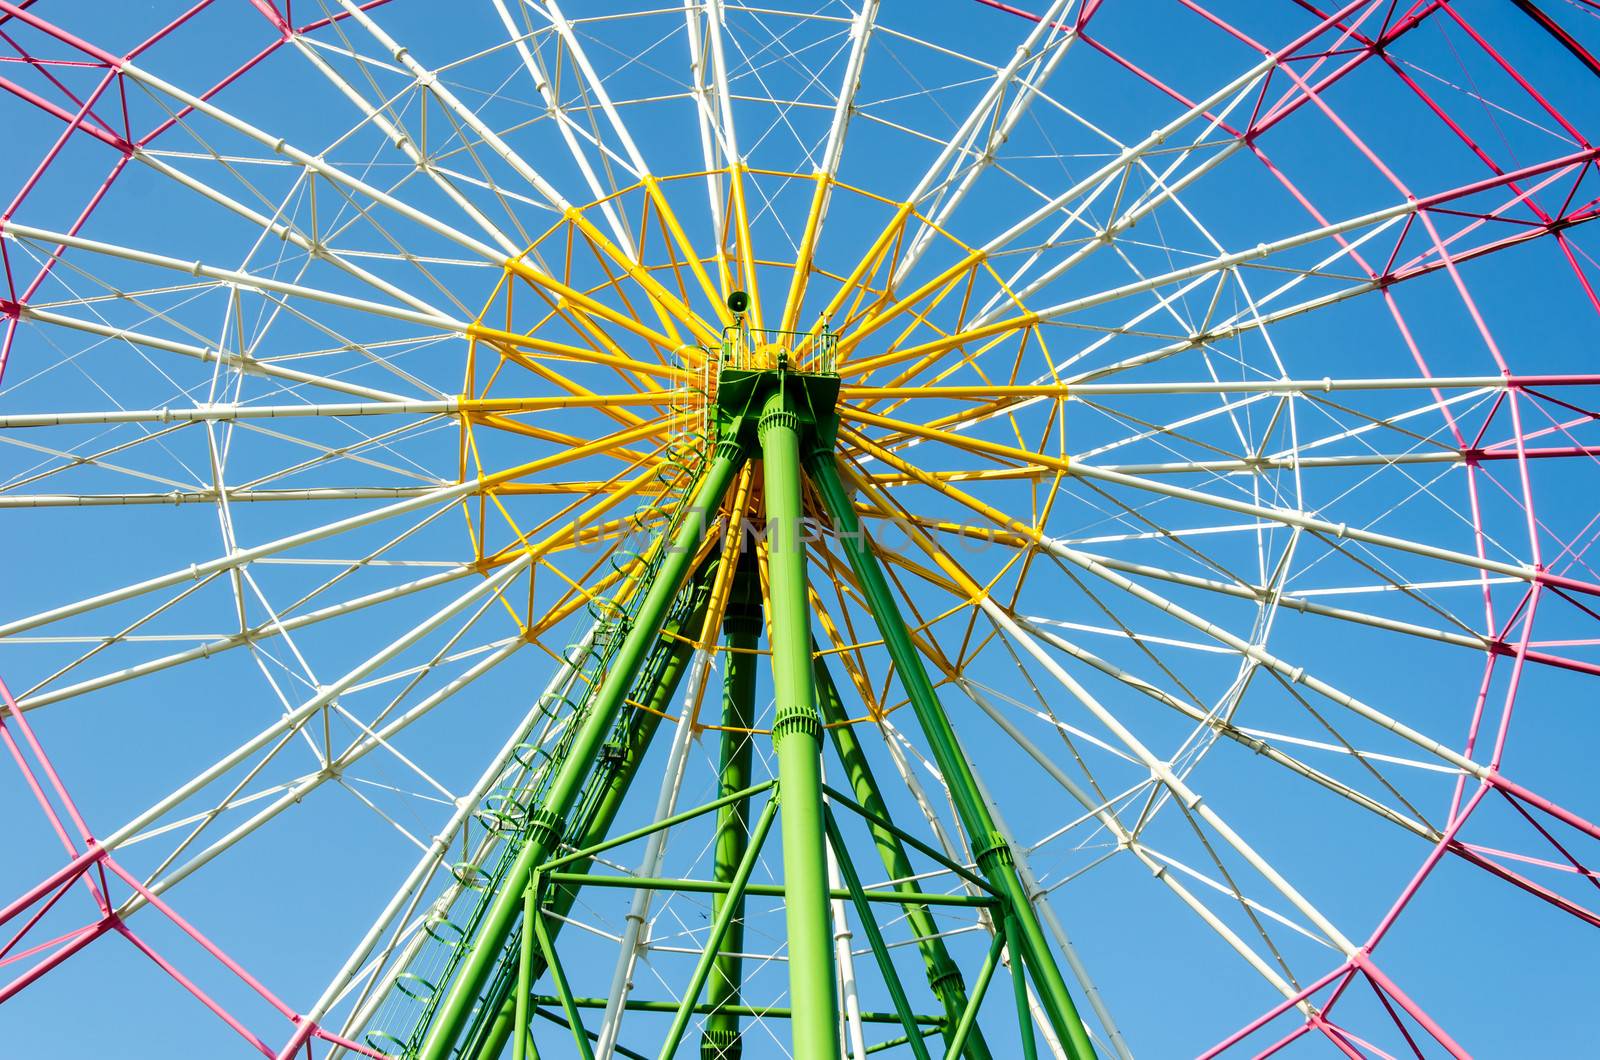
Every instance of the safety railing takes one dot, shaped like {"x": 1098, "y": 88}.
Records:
{"x": 815, "y": 352}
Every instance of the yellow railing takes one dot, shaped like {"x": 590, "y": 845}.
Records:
{"x": 813, "y": 352}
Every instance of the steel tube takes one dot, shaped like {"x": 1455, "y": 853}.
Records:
{"x": 567, "y": 785}
{"x": 797, "y": 739}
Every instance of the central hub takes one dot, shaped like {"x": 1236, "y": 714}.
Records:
{"x": 743, "y": 394}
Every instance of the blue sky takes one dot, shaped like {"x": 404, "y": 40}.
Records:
{"x": 292, "y": 901}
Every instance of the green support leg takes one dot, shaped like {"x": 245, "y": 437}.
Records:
{"x": 797, "y": 738}
{"x": 524, "y": 988}
{"x": 992, "y": 852}
{"x": 875, "y": 942}
{"x": 742, "y": 625}
{"x": 558, "y": 975}
{"x": 944, "y": 978}
{"x": 567, "y": 785}
{"x": 618, "y": 764}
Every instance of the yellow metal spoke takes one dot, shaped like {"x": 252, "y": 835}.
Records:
{"x": 807, "y": 250}
{"x": 889, "y": 312}
{"x": 690, "y": 255}
{"x": 869, "y": 262}
{"x": 933, "y": 348}
{"x": 959, "y": 441}
{"x": 667, "y": 302}
{"x": 620, "y": 362}
{"x": 743, "y": 244}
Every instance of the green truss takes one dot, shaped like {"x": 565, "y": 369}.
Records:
{"x": 502, "y": 969}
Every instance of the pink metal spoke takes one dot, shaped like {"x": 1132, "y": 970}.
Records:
{"x": 51, "y": 890}
{"x": 1512, "y": 444}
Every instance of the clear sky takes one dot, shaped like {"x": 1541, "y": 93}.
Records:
{"x": 1267, "y": 237}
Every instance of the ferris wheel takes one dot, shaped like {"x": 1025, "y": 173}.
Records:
{"x": 807, "y": 528}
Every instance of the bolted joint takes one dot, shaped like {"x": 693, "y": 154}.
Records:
{"x": 545, "y": 827}
{"x": 995, "y": 853}
{"x": 775, "y": 418}
{"x": 944, "y": 976}
{"x": 797, "y": 720}
{"x": 720, "y": 1043}
{"x": 729, "y": 449}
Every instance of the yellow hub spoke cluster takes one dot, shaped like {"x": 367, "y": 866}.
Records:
{"x": 606, "y": 363}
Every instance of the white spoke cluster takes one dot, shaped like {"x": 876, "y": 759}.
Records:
{"x": 1213, "y": 390}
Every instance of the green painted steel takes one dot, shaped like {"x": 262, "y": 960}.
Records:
{"x": 550, "y": 867}
{"x": 797, "y": 737}
{"x": 593, "y": 728}
{"x": 993, "y": 854}
{"x": 741, "y": 626}
{"x": 933, "y": 1023}
{"x": 558, "y": 976}
{"x": 605, "y": 789}
{"x": 789, "y": 417}
{"x": 969, "y": 1018}
{"x": 719, "y": 927}
{"x": 944, "y": 978}
{"x": 879, "y": 895}
{"x": 869, "y": 925}
{"x": 1019, "y": 992}
{"x": 519, "y": 1044}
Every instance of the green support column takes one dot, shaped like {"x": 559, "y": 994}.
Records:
{"x": 619, "y": 763}
{"x": 550, "y": 819}
{"x": 944, "y": 978}
{"x": 741, "y": 624}
{"x": 992, "y": 852}
{"x": 797, "y": 738}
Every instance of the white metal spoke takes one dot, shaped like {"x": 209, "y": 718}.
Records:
{"x": 303, "y": 713}
{"x": 1211, "y": 394}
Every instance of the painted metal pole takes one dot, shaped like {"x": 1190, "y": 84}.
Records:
{"x": 524, "y": 988}
{"x": 992, "y": 853}
{"x": 719, "y": 925}
{"x": 741, "y": 625}
{"x": 880, "y": 949}
{"x": 797, "y": 738}
{"x": 567, "y": 785}
{"x": 614, "y": 773}
{"x": 635, "y": 941}
{"x": 852, "y": 1036}
{"x": 944, "y": 977}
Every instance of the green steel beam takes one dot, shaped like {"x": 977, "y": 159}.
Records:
{"x": 944, "y": 978}
{"x": 869, "y": 925}
{"x": 938, "y": 858}
{"x": 608, "y": 785}
{"x": 550, "y": 867}
{"x": 719, "y": 927}
{"x": 557, "y": 975}
{"x": 969, "y": 1018}
{"x": 797, "y": 737}
{"x": 741, "y": 625}
{"x": 933, "y": 1023}
{"x": 891, "y": 896}
{"x": 993, "y": 854}
{"x": 620, "y": 1050}
{"x": 524, "y": 988}
{"x": 566, "y": 787}
{"x": 894, "y": 1043}
{"x": 1019, "y": 990}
